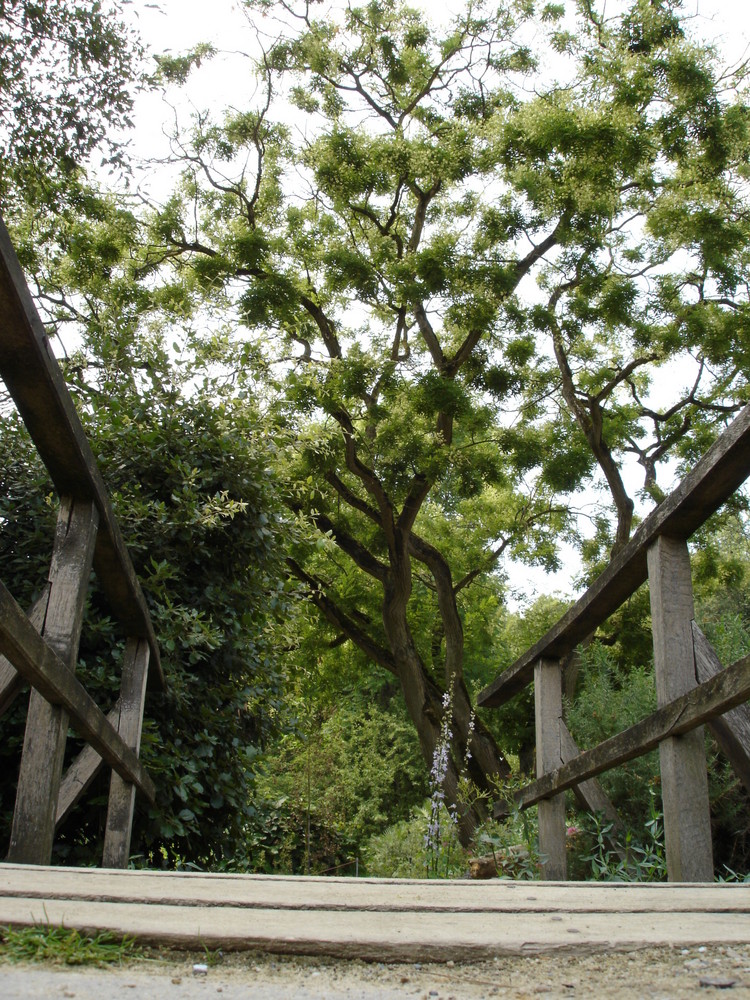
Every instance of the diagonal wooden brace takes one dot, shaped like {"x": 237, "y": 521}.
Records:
{"x": 33, "y": 827}
{"x": 122, "y": 793}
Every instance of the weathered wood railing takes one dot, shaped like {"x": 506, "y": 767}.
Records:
{"x": 42, "y": 649}
{"x": 691, "y": 686}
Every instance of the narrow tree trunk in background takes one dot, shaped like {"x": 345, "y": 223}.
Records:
{"x": 424, "y": 703}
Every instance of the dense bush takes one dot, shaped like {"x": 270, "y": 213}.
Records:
{"x": 190, "y": 482}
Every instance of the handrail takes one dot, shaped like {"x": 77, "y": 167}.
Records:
{"x": 721, "y": 471}
{"x": 37, "y": 662}
{"x": 34, "y": 380}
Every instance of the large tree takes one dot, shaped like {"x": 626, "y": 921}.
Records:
{"x": 466, "y": 263}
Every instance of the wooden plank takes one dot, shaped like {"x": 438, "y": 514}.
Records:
{"x": 711, "y": 698}
{"x": 44, "y": 670}
{"x": 311, "y": 893}
{"x": 684, "y": 778}
{"x": 34, "y": 380}
{"x": 78, "y": 778}
{"x": 11, "y": 682}
{"x": 722, "y": 469}
{"x": 548, "y": 718}
{"x": 732, "y": 730}
{"x": 592, "y": 797}
{"x": 122, "y": 793}
{"x": 402, "y": 920}
{"x": 46, "y": 732}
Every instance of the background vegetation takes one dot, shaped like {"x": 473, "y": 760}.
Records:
{"x": 336, "y": 383}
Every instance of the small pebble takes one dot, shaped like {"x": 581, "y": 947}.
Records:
{"x": 177, "y": 980}
{"x": 718, "y": 984}
{"x": 200, "y": 969}
{"x": 450, "y": 963}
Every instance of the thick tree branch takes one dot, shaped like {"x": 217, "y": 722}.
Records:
{"x": 350, "y": 497}
{"x": 367, "y": 476}
{"x": 357, "y": 552}
{"x": 343, "y": 622}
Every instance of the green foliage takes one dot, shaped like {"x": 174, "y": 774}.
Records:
{"x": 354, "y": 771}
{"x": 190, "y": 483}
{"x": 607, "y": 702}
{"x": 400, "y": 850}
{"x": 645, "y": 859}
{"x": 61, "y": 946}
{"x": 67, "y": 79}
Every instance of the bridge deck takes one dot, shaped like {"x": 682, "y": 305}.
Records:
{"x": 374, "y": 919}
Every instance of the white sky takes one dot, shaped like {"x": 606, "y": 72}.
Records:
{"x": 227, "y": 80}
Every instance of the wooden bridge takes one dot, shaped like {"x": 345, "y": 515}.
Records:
{"x": 41, "y": 648}
{"x": 346, "y": 916}
{"x": 691, "y": 686}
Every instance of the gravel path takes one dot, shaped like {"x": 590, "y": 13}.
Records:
{"x": 667, "y": 974}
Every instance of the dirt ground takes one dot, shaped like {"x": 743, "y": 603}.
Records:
{"x": 658, "y": 973}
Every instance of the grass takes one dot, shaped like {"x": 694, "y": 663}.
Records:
{"x": 61, "y": 946}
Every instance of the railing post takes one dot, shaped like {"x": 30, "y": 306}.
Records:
{"x": 549, "y": 756}
{"x": 33, "y": 827}
{"x": 122, "y": 793}
{"x": 687, "y": 819}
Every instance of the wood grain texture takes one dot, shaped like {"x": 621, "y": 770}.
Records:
{"x": 397, "y": 920}
{"x": 34, "y": 380}
{"x": 11, "y": 682}
{"x": 682, "y": 759}
{"x": 549, "y": 757}
{"x": 78, "y": 778}
{"x": 44, "y": 670}
{"x": 724, "y": 467}
{"x": 731, "y": 730}
{"x": 122, "y": 793}
{"x": 33, "y": 827}
{"x": 711, "y": 698}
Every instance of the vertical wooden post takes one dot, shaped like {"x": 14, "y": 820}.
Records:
{"x": 684, "y": 782}
{"x": 549, "y": 755}
{"x": 122, "y": 793}
{"x": 33, "y": 827}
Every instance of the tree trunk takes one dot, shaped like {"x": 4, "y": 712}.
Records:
{"x": 426, "y": 708}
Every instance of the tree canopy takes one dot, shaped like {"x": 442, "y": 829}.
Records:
{"x": 68, "y": 72}
{"x": 470, "y": 261}
{"x": 463, "y": 270}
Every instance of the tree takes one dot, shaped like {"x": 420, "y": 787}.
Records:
{"x": 446, "y": 410}
{"x": 67, "y": 76}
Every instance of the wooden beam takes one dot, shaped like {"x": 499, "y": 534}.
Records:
{"x": 44, "y": 670}
{"x": 11, "y": 682}
{"x": 684, "y": 779}
{"x": 33, "y": 828}
{"x": 548, "y": 717}
{"x": 723, "y": 468}
{"x": 731, "y": 730}
{"x": 78, "y": 778}
{"x": 711, "y": 698}
{"x": 34, "y": 380}
{"x": 122, "y": 793}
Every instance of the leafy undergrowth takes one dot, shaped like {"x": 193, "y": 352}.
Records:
{"x": 63, "y": 946}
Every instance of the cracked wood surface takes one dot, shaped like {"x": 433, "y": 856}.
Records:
{"x": 376, "y": 919}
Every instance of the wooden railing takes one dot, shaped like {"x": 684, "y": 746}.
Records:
{"x": 691, "y": 686}
{"x": 41, "y": 649}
